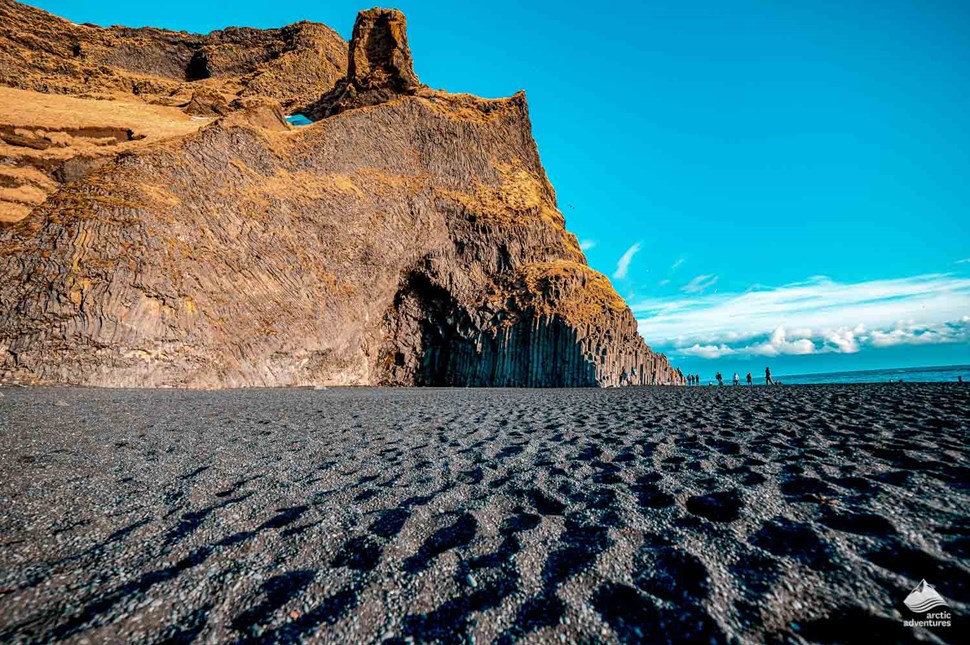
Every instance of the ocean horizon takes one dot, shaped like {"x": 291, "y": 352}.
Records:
{"x": 935, "y": 374}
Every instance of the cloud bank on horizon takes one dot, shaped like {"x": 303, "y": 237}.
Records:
{"x": 815, "y": 316}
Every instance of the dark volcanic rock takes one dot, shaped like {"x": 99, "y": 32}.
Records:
{"x": 44, "y": 53}
{"x": 207, "y": 103}
{"x": 379, "y": 66}
{"x": 415, "y": 242}
{"x": 379, "y": 52}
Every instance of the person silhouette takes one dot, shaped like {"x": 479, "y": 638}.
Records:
{"x": 749, "y": 378}
{"x": 768, "y": 380}
{"x": 720, "y": 379}
{"x": 737, "y": 379}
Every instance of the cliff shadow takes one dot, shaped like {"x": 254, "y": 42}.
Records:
{"x": 433, "y": 340}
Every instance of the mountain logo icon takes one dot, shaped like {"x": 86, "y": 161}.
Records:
{"x": 924, "y": 598}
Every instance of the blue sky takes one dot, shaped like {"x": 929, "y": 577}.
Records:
{"x": 765, "y": 182}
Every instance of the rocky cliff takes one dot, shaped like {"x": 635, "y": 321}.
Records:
{"x": 43, "y": 53}
{"x": 185, "y": 235}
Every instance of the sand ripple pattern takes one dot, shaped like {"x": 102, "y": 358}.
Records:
{"x": 784, "y": 514}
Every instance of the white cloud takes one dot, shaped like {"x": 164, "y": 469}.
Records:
{"x": 963, "y": 261}
{"x": 910, "y": 333}
{"x": 815, "y": 316}
{"x": 707, "y": 351}
{"x": 904, "y": 337}
{"x": 664, "y": 283}
{"x": 623, "y": 264}
{"x": 779, "y": 344}
{"x": 673, "y": 267}
{"x": 587, "y": 244}
{"x": 699, "y": 284}
{"x": 846, "y": 341}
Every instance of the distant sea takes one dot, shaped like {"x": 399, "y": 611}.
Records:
{"x": 298, "y": 119}
{"x": 947, "y": 374}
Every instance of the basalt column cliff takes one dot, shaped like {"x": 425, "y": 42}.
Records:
{"x": 161, "y": 224}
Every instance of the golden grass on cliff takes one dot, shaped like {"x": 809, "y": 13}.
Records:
{"x": 286, "y": 185}
{"x": 22, "y": 195}
{"x": 25, "y": 109}
{"x": 40, "y": 132}
{"x": 519, "y": 197}
{"x": 13, "y": 211}
{"x": 570, "y": 290}
{"x": 21, "y": 189}
{"x": 468, "y": 107}
{"x": 365, "y": 183}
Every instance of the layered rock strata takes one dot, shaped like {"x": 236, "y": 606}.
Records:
{"x": 408, "y": 237}
{"x": 293, "y": 65}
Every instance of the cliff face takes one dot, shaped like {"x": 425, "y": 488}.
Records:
{"x": 408, "y": 237}
{"x": 40, "y": 52}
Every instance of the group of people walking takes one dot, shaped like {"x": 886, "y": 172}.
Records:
{"x": 695, "y": 379}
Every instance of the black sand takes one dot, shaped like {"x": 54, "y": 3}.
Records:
{"x": 676, "y": 514}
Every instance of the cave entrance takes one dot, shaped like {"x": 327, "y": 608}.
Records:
{"x": 198, "y": 68}
{"x": 429, "y": 343}
{"x": 445, "y": 352}
{"x": 433, "y": 341}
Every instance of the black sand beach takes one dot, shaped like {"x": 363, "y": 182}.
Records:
{"x": 366, "y": 515}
